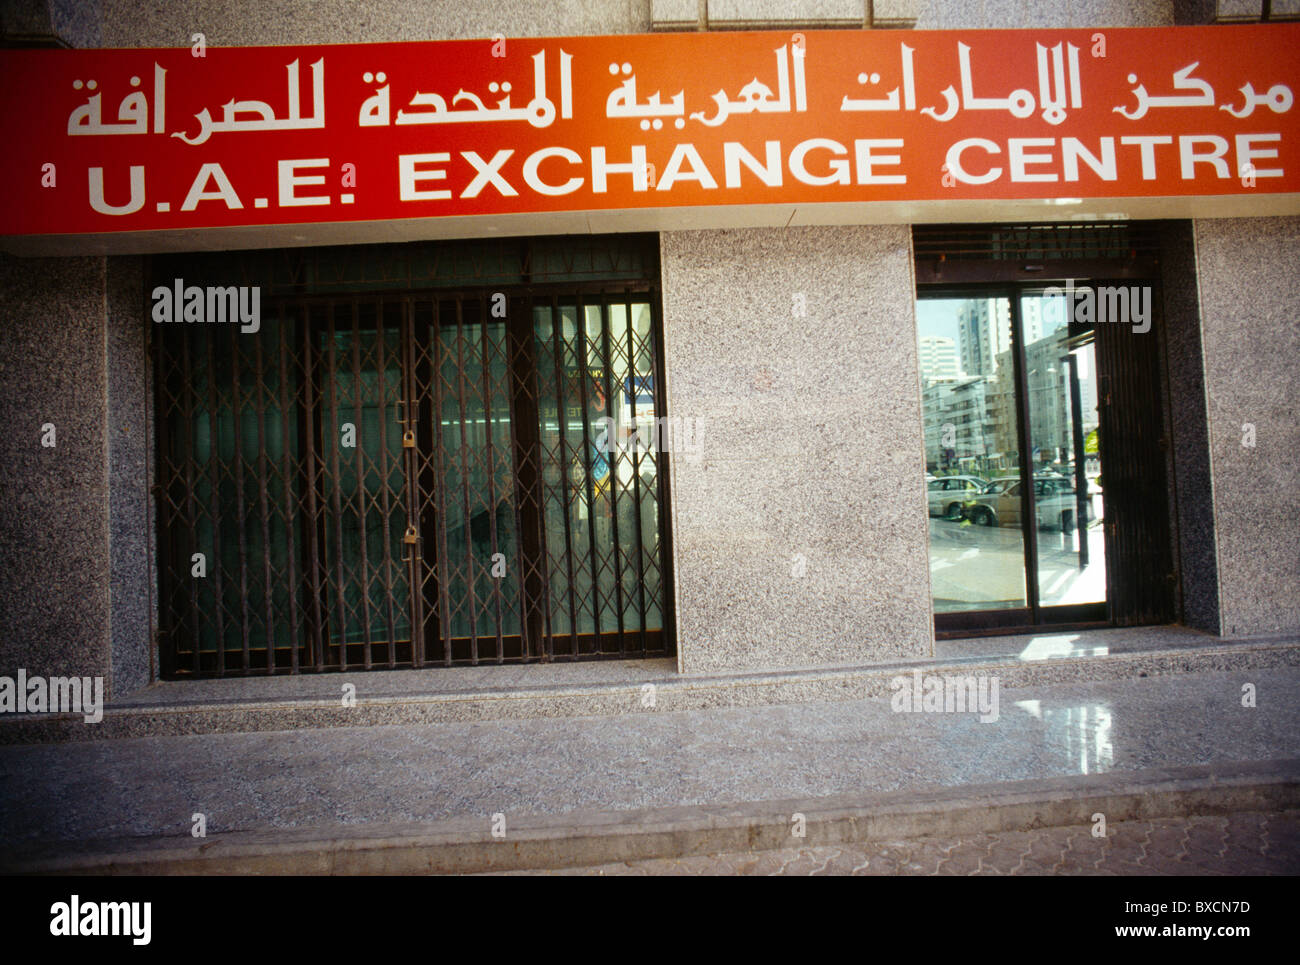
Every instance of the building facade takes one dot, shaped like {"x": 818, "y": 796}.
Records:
{"x": 782, "y": 400}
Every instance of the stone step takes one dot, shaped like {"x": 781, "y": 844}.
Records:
{"x": 520, "y": 692}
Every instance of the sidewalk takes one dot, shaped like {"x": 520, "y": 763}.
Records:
{"x": 1240, "y": 843}
{"x": 657, "y": 783}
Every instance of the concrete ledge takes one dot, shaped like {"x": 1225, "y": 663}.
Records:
{"x": 465, "y": 845}
{"x": 157, "y": 713}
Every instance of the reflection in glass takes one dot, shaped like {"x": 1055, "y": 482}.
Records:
{"x": 976, "y": 472}
{"x": 596, "y": 399}
{"x": 1061, "y": 378}
{"x": 971, "y": 455}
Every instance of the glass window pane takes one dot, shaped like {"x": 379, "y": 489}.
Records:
{"x": 971, "y": 455}
{"x": 362, "y": 446}
{"x": 1060, "y": 373}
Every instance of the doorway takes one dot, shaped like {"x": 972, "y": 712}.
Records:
{"x": 1044, "y": 465}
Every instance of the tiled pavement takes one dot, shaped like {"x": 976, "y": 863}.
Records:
{"x": 1244, "y": 843}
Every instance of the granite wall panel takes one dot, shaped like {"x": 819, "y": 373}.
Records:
{"x": 1250, "y": 334}
{"x": 799, "y": 527}
{"x": 54, "y": 559}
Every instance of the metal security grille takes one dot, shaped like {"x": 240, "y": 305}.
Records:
{"x": 409, "y": 479}
{"x": 1141, "y": 573}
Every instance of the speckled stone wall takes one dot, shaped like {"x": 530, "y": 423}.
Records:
{"x": 54, "y": 559}
{"x": 1191, "y": 503}
{"x": 75, "y": 22}
{"x": 1250, "y": 331}
{"x": 131, "y": 514}
{"x": 128, "y": 23}
{"x": 1004, "y": 14}
{"x": 800, "y": 527}
{"x": 76, "y": 532}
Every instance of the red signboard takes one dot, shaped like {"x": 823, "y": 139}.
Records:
{"x": 881, "y": 124}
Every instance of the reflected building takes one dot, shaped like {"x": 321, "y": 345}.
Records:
{"x": 1047, "y": 376}
{"x": 984, "y": 332}
{"x": 938, "y": 358}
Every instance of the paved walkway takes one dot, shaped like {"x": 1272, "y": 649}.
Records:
{"x": 1245, "y": 843}
{"x": 346, "y": 779}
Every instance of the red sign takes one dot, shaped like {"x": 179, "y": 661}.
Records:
{"x": 864, "y": 125}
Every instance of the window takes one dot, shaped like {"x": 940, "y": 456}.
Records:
{"x": 409, "y": 470}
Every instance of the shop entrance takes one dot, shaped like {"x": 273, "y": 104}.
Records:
{"x": 413, "y": 478}
{"x": 1043, "y": 412}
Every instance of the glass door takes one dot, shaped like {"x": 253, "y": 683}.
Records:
{"x": 360, "y": 473}
{"x": 1060, "y": 374}
{"x": 600, "y": 453}
{"x": 972, "y": 455}
{"x": 539, "y": 525}
{"x": 1013, "y": 462}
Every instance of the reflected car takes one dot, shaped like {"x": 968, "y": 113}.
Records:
{"x": 1055, "y": 506}
{"x": 948, "y": 495}
{"x": 997, "y": 505}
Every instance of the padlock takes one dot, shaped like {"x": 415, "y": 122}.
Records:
{"x": 411, "y": 536}
{"x": 408, "y": 439}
